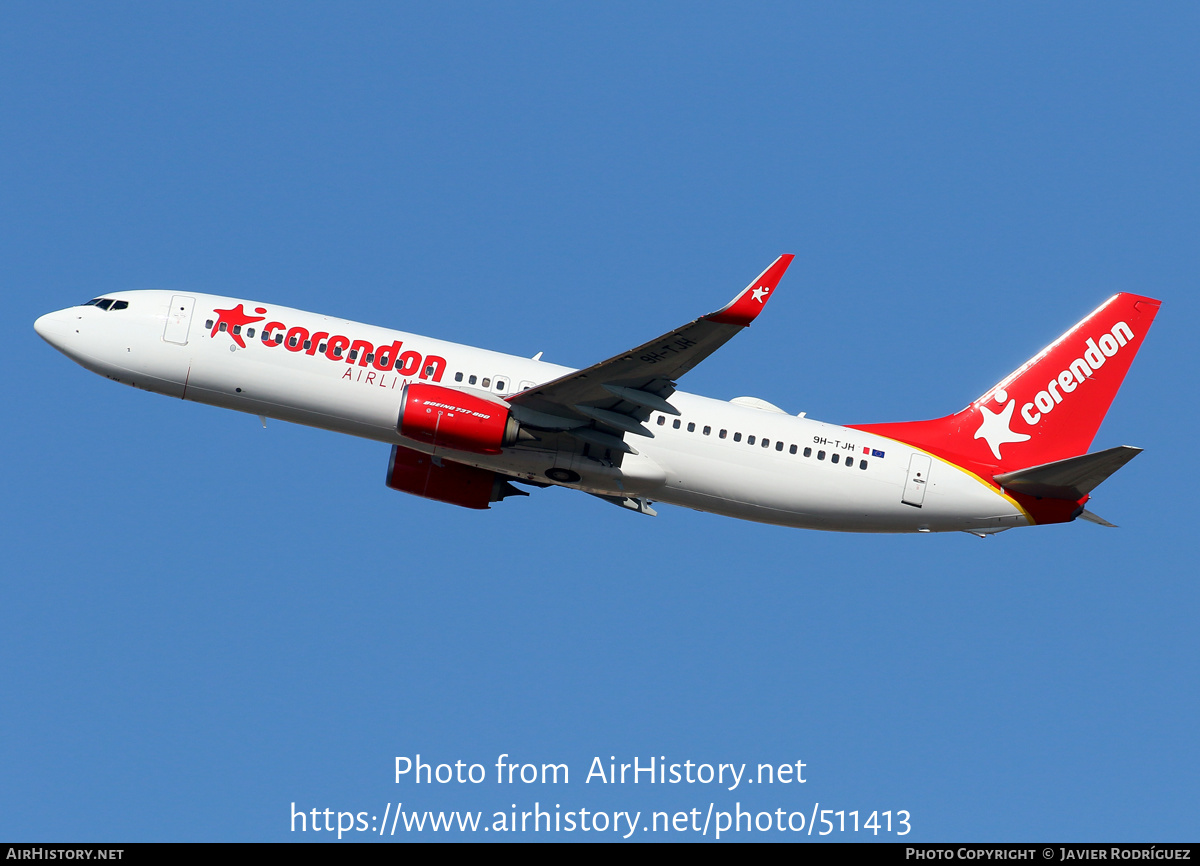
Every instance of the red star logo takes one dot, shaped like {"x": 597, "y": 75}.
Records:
{"x": 235, "y": 318}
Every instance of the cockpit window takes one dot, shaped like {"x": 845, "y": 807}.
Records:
{"x": 107, "y": 304}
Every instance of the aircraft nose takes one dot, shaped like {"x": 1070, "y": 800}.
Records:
{"x": 52, "y": 328}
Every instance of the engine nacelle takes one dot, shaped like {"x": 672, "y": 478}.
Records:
{"x": 449, "y": 418}
{"x": 446, "y": 481}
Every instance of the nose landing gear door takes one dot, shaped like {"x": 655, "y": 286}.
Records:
{"x": 179, "y": 320}
{"x": 918, "y": 480}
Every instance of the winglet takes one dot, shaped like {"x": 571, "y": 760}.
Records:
{"x": 743, "y": 309}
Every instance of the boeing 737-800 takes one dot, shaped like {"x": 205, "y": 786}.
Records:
{"x": 464, "y": 423}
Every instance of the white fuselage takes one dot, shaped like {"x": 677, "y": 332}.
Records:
{"x": 711, "y": 457}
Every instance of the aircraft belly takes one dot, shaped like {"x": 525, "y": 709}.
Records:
{"x": 637, "y": 475}
{"x": 784, "y": 492}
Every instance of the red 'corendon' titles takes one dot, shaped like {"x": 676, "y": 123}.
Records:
{"x": 336, "y": 347}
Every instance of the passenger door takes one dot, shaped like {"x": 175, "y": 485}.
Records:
{"x": 179, "y": 320}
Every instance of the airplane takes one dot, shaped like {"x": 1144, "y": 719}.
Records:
{"x": 466, "y": 423}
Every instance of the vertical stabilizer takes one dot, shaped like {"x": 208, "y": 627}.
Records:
{"x": 1050, "y": 407}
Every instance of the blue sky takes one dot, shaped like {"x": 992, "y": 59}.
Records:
{"x": 206, "y": 621}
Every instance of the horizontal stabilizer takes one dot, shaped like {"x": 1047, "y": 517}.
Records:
{"x": 1096, "y": 518}
{"x": 1072, "y": 478}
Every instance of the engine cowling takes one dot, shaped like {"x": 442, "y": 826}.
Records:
{"x": 449, "y": 418}
{"x": 446, "y": 481}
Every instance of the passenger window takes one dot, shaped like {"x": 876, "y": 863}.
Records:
{"x": 792, "y": 450}
{"x": 321, "y": 348}
{"x": 820, "y": 455}
{"x": 749, "y": 440}
{"x": 691, "y": 426}
{"x": 307, "y": 344}
{"x": 370, "y": 356}
{"x": 250, "y": 333}
{"x": 499, "y": 382}
{"x": 472, "y": 380}
{"x": 237, "y": 329}
{"x": 278, "y": 339}
{"x": 337, "y": 351}
{"x": 808, "y": 452}
{"x": 458, "y": 377}
{"x": 779, "y": 445}
{"x": 707, "y": 430}
{"x": 354, "y": 354}
{"x": 662, "y": 419}
{"x": 723, "y": 433}
{"x": 486, "y": 383}
{"x": 295, "y": 341}
{"x": 224, "y": 327}
{"x": 862, "y": 464}
{"x": 849, "y": 462}
{"x": 766, "y": 443}
{"x": 737, "y": 437}
{"x": 675, "y": 423}
{"x": 834, "y": 457}
{"x": 207, "y": 323}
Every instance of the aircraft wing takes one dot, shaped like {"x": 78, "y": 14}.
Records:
{"x": 601, "y": 403}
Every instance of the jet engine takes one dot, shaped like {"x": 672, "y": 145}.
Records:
{"x": 446, "y": 481}
{"x": 449, "y": 418}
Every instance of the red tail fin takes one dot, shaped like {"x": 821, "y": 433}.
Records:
{"x": 1047, "y": 409}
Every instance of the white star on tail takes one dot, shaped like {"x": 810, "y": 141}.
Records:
{"x": 760, "y": 293}
{"x": 996, "y": 429}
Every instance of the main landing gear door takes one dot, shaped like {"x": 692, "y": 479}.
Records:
{"x": 918, "y": 478}
{"x": 179, "y": 320}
